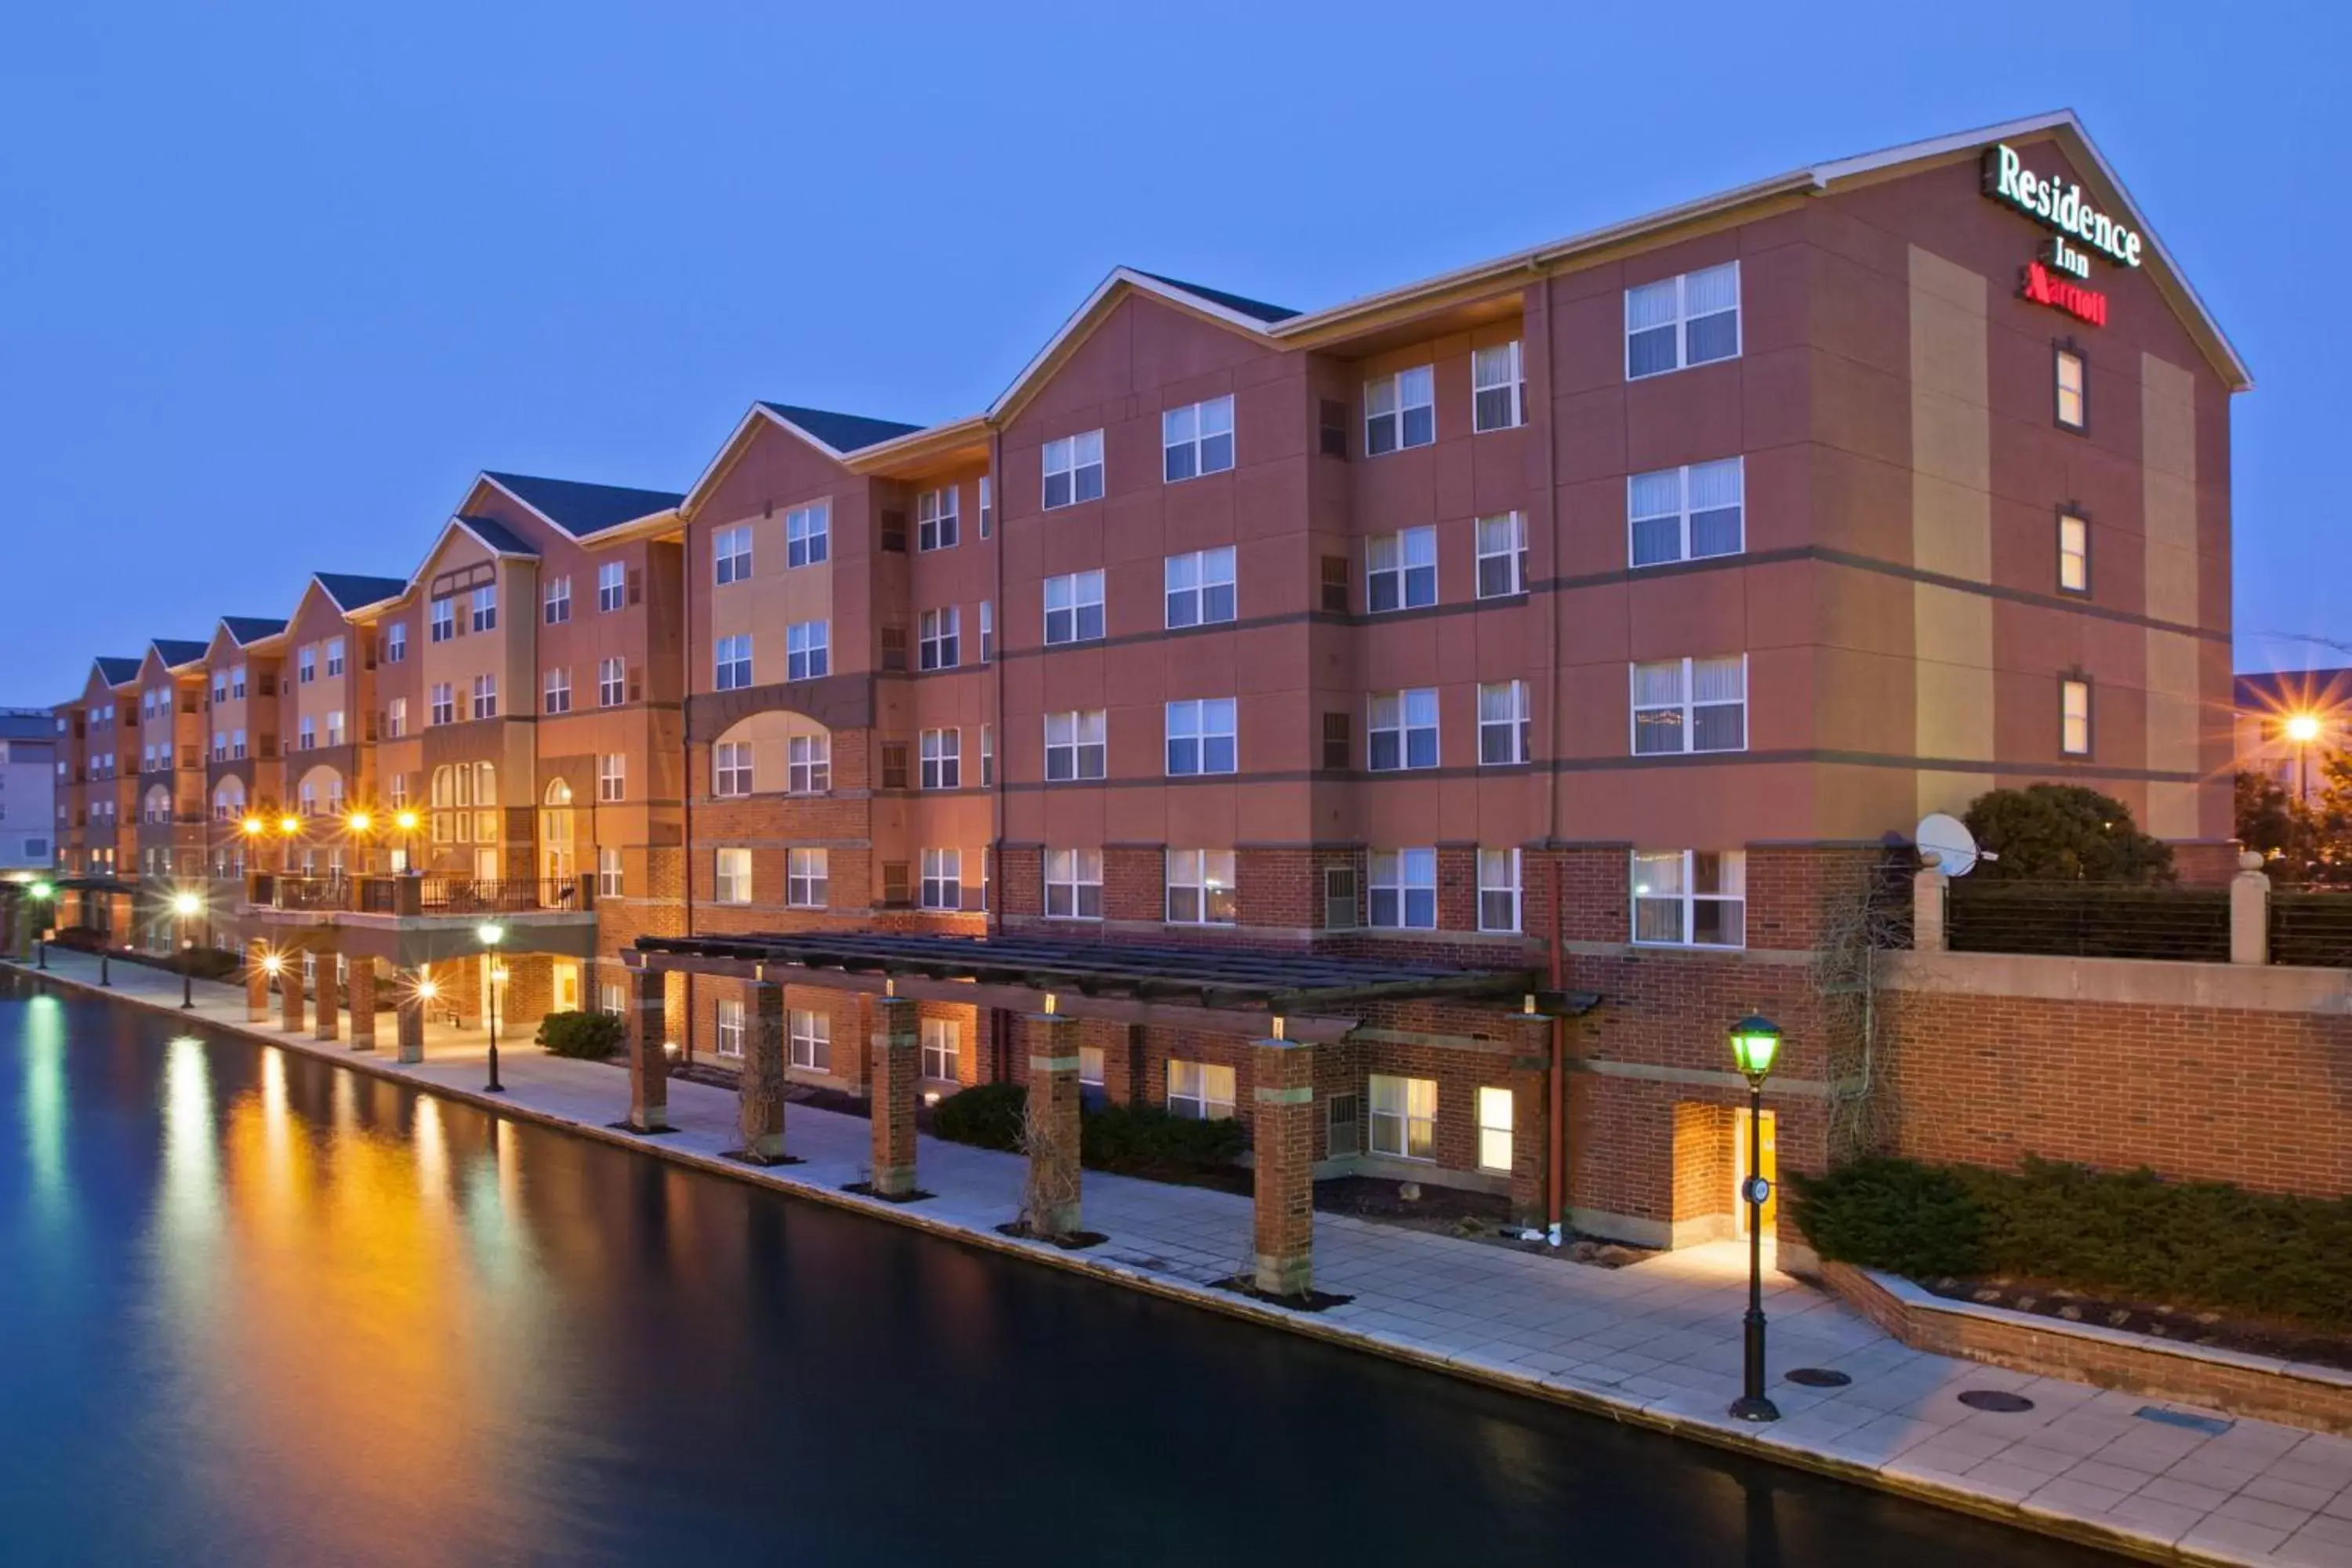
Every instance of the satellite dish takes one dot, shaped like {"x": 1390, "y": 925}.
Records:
{"x": 1946, "y": 843}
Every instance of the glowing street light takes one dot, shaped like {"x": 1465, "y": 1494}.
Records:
{"x": 186, "y": 907}
{"x": 491, "y": 934}
{"x": 407, "y": 821}
{"x": 2303, "y": 729}
{"x": 43, "y": 894}
{"x": 1755, "y": 1041}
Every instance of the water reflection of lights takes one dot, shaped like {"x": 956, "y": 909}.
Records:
{"x": 432, "y": 1150}
{"x": 45, "y": 1106}
{"x": 190, "y": 1147}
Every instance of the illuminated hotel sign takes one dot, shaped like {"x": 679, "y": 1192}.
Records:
{"x": 2060, "y": 207}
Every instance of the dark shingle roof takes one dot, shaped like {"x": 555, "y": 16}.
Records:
{"x": 117, "y": 669}
{"x": 497, "y": 535}
{"x": 177, "y": 651}
{"x": 581, "y": 508}
{"x": 841, "y": 432}
{"x": 1256, "y": 309}
{"x": 28, "y": 724}
{"x": 350, "y": 591}
{"x": 253, "y": 628}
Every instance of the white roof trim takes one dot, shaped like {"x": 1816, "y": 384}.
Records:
{"x": 482, "y": 478}
{"x": 1078, "y": 318}
{"x": 758, "y": 412}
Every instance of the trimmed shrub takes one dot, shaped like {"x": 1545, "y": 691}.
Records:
{"x": 987, "y": 1115}
{"x": 593, "y": 1036}
{"x": 2205, "y": 1244}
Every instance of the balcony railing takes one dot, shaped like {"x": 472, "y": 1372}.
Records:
{"x": 419, "y": 895}
{"x": 2091, "y": 919}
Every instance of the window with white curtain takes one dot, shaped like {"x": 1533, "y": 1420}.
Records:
{"x": 732, "y": 768}
{"x": 1199, "y": 586}
{"x": 612, "y": 586}
{"x": 1503, "y": 723}
{"x": 1402, "y": 732}
{"x": 1401, "y": 569}
{"x": 1399, "y": 411}
{"x": 1073, "y": 469}
{"x": 1495, "y": 1108}
{"x": 1498, "y": 890}
{"x": 1200, "y": 887}
{"x": 807, "y": 653}
{"x": 808, "y": 879}
{"x": 1197, "y": 439}
{"x": 1495, "y": 387}
{"x": 733, "y": 882}
{"x": 1677, "y": 322}
{"x": 1403, "y": 889}
{"x": 2073, "y": 553}
{"x": 1690, "y": 898}
{"x": 937, "y": 525}
{"x": 1073, "y": 884}
{"x": 1074, "y": 744}
{"x": 1199, "y": 1091}
{"x": 1201, "y": 736}
{"x": 730, "y": 1029}
{"x": 1502, "y": 555}
{"x": 557, "y": 692}
{"x": 812, "y": 1040}
{"x": 2074, "y": 720}
{"x": 613, "y": 680}
{"x": 730, "y": 555}
{"x": 942, "y": 879}
{"x": 940, "y": 638}
{"x": 808, "y": 764}
{"x": 1687, "y": 514}
{"x": 1690, "y": 705}
{"x": 942, "y": 758}
{"x": 1074, "y": 607}
{"x": 731, "y": 662}
{"x": 1404, "y": 1117}
{"x": 808, "y": 535}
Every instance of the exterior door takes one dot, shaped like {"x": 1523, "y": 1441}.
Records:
{"x": 567, "y": 987}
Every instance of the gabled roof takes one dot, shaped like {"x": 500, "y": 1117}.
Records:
{"x": 496, "y": 536}
{"x": 581, "y": 508}
{"x": 838, "y": 434}
{"x": 350, "y": 592}
{"x": 177, "y": 651}
{"x": 1245, "y": 316}
{"x": 116, "y": 670}
{"x": 246, "y": 630}
{"x": 1240, "y": 303}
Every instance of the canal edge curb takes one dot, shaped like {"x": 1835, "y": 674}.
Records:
{"x": 1587, "y": 1401}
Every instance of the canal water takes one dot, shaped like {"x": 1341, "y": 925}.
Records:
{"x": 257, "y": 1309}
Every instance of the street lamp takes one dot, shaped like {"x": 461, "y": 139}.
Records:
{"x": 491, "y": 935}
{"x": 1755, "y": 1041}
{"x": 2303, "y": 729}
{"x": 187, "y": 907}
{"x": 42, "y": 893}
{"x": 407, "y": 822}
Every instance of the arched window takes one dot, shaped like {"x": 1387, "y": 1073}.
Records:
{"x": 228, "y": 800}
{"x": 457, "y": 790}
{"x": 159, "y": 804}
{"x": 555, "y": 830}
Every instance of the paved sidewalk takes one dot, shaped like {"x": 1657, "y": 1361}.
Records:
{"x": 1657, "y": 1341}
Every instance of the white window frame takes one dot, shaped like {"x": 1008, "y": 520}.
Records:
{"x": 730, "y": 875}
{"x": 808, "y": 535}
{"x": 939, "y": 522}
{"x": 808, "y": 879}
{"x": 2078, "y": 393}
{"x": 1200, "y": 887}
{"x": 1400, "y": 875}
{"x": 730, "y": 555}
{"x": 444, "y": 697}
{"x": 731, "y": 769}
{"x": 1498, "y": 890}
{"x": 555, "y": 600}
{"x": 987, "y": 631}
{"x": 1078, "y": 591}
{"x": 1201, "y": 1091}
{"x": 612, "y": 586}
{"x": 808, "y": 650}
{"x": 1187, "y": 440}
{"x": 808, "y": 764}
{"x": 1686, "y": 706}
{"x": 608, "y": 872}
{"x": 1512, "y": 381}
{"x": 1405, "y": 562}
{"x": 1498, "y": 1114}
{"x": 1191, "y": 583}
{"x": 942, "y": 1049}
{"x": 941, "y": 761}
{"x": 555, "y": 691}
{"x": 731, "y": 662}
{"x": 1501, "y": 537}
{"x": 812, "y": 1039}
{"x": 1085, "y": 735}
{"x": 611, "y": 776}
{"x": 1682, "y": 321}
{"x": 2073, "y": 553}
{"x": 1072, "y": 459}
{"x": 1199, "y": 723}
{"x": 728, "y": 1045}
{"x": 1682, "y": 512}
{"x": 941, "y": 887}
{"x": 1654, "y": 870}
{"x": 1074, "y": 881}
{"x": 987, "y": 505}
{"x": 486, "y": 696}
{"x": 483, "y": 613}
{"x": 613, "y": 682}
{"x": 306, "y": 739}
{"x": 306, "y": 671}
{"x": 2075, "y": 733}
{"x": 1397, "y": 714}
{"x": 1396, "y": 398}
{"x": 1403, "y": 1117}
{"x": 1504, "y": 737}
{"x": 939, "y": 638}
{"x": 334, "y": 665}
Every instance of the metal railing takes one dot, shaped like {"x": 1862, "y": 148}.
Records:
{"x": 2083, "y": 920}
{"x": 2311, "y": 929}
{"x": 418, "y": 895}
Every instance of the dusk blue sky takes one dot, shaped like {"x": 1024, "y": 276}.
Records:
{"x": 276, "y": 279}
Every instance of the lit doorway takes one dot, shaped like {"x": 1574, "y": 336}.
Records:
{"x": 567, "y": 987}
{"x": 1771, "y": 1172}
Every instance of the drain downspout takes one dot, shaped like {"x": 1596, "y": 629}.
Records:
{"x": 1555, "y": 1173}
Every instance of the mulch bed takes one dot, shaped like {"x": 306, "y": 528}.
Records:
{"x": 1449, "y": 1211}
{"x": 2219, "y": 1330}
{"x": 1076, "y": 1241}
{"x": 1313, "y": 1302}
{"x": 865, "y": 1190}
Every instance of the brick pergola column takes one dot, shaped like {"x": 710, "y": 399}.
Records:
{"x": 256, "y": 982}
{"x": 648, "y": 1063}
{"x": 1051, "y": 1204}
{"x": 291, "y": 1018}
{"x": 1282, "y": 1137}
{"x": 328, "y": 999}
{"x": 362, "y": 1004}
{"x": 408, "y": 1014}
{"x": 1531, "y": 1129}
{"x": 896, "y": 1055}
{"x": 760, "y": 1093}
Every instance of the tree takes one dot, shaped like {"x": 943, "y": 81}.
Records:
{"x": 2277, "y": 826}
{"x": 2064, "y": 833}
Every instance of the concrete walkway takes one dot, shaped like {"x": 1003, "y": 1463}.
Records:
{"x": 1656, "y": 1343}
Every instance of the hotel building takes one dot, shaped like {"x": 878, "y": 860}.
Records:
{"x": 1495, "y": 686}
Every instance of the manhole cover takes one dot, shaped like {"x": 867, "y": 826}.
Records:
{"x": 1995, "y": 1399}
{"x": 1818, "y": 1377}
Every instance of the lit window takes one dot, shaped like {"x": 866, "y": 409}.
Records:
{"x": 1074, "y": 744}
{"x": 734, "y": 881}
{"x": 1201, "y": 736}
{"x": 1074, "y": 607}
{"x": 1503, "y": 723}
{"x": 334, "y": 727}
{"x": 1400, "y": 410}
{"x": 943, "y": 885}
{"x": 943, "y": 1048}
{"x": 732, "y": 768}
{"x": 1677, "y": 322}
{"x": 1498, "y": 890}
{"x": 2071, "y": 412}
{"x": 1687, "y": 514}
{"x": 942, "y": 759}
{"x": 1690, "y": 705}
{"x": 1402, "y": 732}
{"x": 1401, "y": 569}
{"x": 1494, "y": 1129}
{"x": 1199, "y": 1091}
{"x": 306, "y": 738}
{"x": 1073, "y": 884}
{"x": 1073, "y": 469}
{"x": 1200, "y": 587}
{"x": 1197, "y": 439}
{"x": 806, "y": 653}
{"x": 1403, "y": 889}
{"x": 1690, "y": 898}
{"x": 1495, "y": 387}
{"x": 2074, "y": 554}
{"x": 731, "y": 662}
{"x": 808, "y": 879}
{"x": 1502, "y": 555}
{"x": 730, "y": 555}
{"x": 1404, "y": 1117}
{"x": 937, "y": 526}
{"x": 2074, "y": 724}
{"x": 940, "y": 634}
{"x": 808, "y": 535}
{"x": 808, "y": 768}
{"x": 1200, "y": 887}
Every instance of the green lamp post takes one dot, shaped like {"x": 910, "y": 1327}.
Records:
{"x": 1755, "y": 1041}
{"x": 491, "y": 934}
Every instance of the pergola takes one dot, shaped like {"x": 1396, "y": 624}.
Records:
{"x": 1285, "y": 1003}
